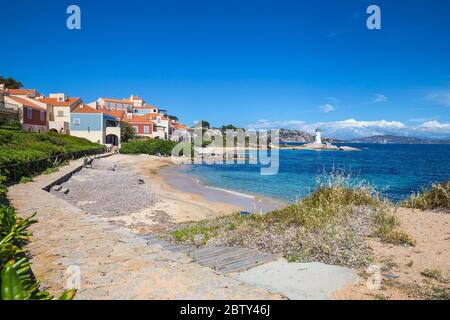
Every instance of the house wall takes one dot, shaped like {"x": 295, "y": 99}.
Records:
{"x": 36, "y": 118}
{"x": 93, "y": 136}
{"x": 140, "y": 128}
{"x": 87, "y": 122}
{"x": 117, "y": 106}
{"x": 90, "y": 126}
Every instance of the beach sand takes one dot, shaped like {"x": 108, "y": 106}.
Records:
{"x": 180, "y": 198}
{"x": 402, "y": 267}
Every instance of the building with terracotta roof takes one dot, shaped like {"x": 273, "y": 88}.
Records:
{"x": 137, "y": 102}
{"x": 8, "y": 112}
{"x": 31, "y": 93}
{"x": 32, "y": 116}
{"x": 141, "y": 126}
{"x": 114, "y": 104}
{"x": 59, "y": 107}
{"x": 144, "y": 109}
{"x": 178, "y": 131}
{"x": 95, "y": 125}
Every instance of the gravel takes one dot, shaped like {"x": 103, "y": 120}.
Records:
{"x": 108, "y": 189}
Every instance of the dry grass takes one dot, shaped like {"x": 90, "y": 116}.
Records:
{"x": 432, "y": 273}
{"x": 387, "y": 228}
{"x": 330, "y": 226}
{"x": 437, "y": 198}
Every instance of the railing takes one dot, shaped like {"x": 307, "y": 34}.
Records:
{"x": 14, "y": 172}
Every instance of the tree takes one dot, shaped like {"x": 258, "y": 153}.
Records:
{"x": 126, "y": 132}
{"x": 11, "y": 83}
{"x": 203, "y": 123}
{"x": 228, "y": 127}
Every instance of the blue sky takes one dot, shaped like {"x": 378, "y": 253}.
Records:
{"x": 295, "y": 64}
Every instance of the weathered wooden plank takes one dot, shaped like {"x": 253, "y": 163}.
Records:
{"x": 224, "y": 258}
{"x": 235, "y": 258}
{"x": 212, "y": 253}
{"x": 245, "y": 265}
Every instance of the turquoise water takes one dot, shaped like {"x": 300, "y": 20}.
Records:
{"x": 395, "y": 170}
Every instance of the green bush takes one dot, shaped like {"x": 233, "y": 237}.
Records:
{"x": 27, "y": 154}
{"x": 149, "y": 146}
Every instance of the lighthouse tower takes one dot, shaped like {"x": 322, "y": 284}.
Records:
{"x": 318, "y": 136}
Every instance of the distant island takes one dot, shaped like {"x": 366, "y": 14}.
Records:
{"x": 298, "y": 136}
{"x": 389, "y": 139}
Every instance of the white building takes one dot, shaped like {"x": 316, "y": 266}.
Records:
{"x": 318, "y": 136}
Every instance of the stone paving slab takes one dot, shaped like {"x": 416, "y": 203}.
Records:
{"x": 300, "y": 281}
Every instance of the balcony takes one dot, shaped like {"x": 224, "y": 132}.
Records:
{"x": 8, "y": 108}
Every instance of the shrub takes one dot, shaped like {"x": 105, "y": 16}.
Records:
{"x": 149, "y": 146}
{"x": 437, "y": 198}
{"x": 28, "y": 154}
{"x": 387, "y": 229}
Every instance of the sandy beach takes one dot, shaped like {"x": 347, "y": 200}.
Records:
{"x": 149, "y": 194}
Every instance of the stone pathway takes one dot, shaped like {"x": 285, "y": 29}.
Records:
{"x": 114, "y": 263}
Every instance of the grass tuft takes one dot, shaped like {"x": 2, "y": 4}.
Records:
{"x": 437, "y": 198}
{"x": 432, "y": 273}
{"x": 387, "y": 228}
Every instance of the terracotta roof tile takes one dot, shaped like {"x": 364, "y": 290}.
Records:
{"x": 27, "y": 103}
{"x": 84, "y": 108}
{"x": 54, "y": 102}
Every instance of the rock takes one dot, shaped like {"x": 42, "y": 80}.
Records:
{"x": 141, "y": 181}
{"x": 57, "y": 188}
{"x": 65, "y": 191}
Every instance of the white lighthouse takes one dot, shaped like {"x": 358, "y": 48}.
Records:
{"x": 318, "y": 136}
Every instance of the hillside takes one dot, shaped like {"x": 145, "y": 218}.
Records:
{"x": 397, "y": 139}
{"x": 287, "y": 135}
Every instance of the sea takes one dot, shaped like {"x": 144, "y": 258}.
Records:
{"x": 394, "y": 170}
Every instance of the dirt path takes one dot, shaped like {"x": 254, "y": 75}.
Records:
{"x": 114, "y": 263}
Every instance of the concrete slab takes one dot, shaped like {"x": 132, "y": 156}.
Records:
{"x": 299, "y": 281}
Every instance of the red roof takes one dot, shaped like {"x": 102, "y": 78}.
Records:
{"x": 22, "y": 92}
{"x": 54, "y": 102}
{"x": 117, "y": 100}
{"x": 84, "y": 108}
{"x": 118, "y": 114}
{"x": 27, "y": 103}
{"x": 146, "y": 107}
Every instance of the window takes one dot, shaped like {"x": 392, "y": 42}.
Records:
{"x": 135, "y": 129}
{"x": 76, "y": 121}
{"x": 146, "y": 129}
{"x": 42, "y": 114}
{"x": 29, "y": 113}
{"x": 60, "y": 113}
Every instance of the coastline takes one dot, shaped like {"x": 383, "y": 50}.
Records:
{"x": 183, "y": 197}
{"x": 175, "y": 178}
